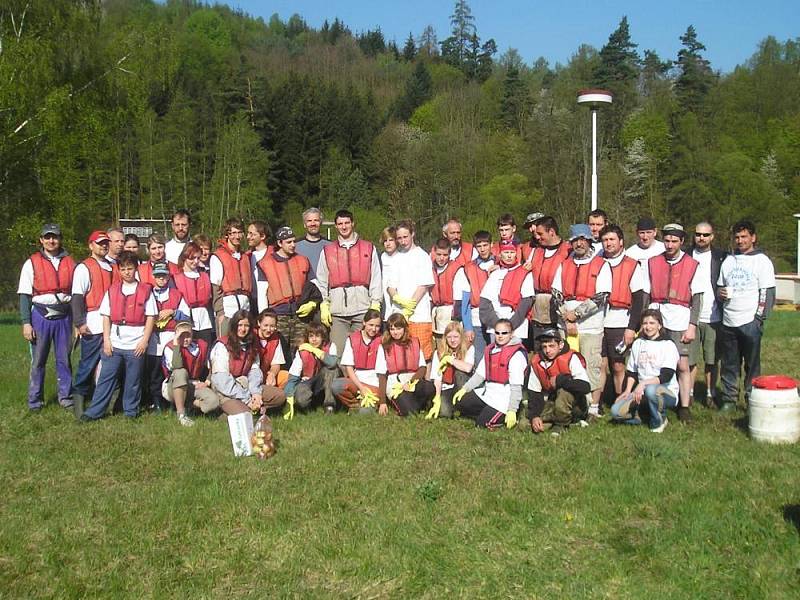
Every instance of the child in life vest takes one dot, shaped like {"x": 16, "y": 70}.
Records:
{"x": 401, "y": 367}
{"x": 358, "y": 389}
{"x": 558, "y": 384}
{"x": 129, "y": 311}
{"x": 502, "y": 374}
{"x": 186, "y": 368}
{"x": 271, "y": 360}
{"x": 195, "y": 286}
{"x": 312, "y": 372}
{"x": 451, "y": 368}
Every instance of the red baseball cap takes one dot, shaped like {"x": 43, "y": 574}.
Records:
{"x": 507, "y": 245}
{"x": 98, "y": 237}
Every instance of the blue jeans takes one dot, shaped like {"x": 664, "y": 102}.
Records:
{"x": 110, "y": 367}
{"x": 58, "y": 334}
{"x": 657, "y": 399}
{"x": 91, "y": 347}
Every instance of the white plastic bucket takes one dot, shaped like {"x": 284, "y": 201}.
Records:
{"x": 774, "y": 410}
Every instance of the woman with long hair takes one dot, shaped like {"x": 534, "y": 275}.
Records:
{"x": 452, "y": 365}
{"x": 358, "y": 389}
{"x": 195, "y": 287}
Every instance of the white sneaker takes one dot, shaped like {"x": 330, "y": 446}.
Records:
{"x": 661, "y": 427}
{"x": 185, "y": 421}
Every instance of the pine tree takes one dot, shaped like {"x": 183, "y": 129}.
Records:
{"x": 456, "y": 48}
{"x": 410, "y": 49}
{"x": 428, "y": 44}
{"x": 418, "y": 90}
{"x": 513, "y": 104}
{"x": 696, "y": 77}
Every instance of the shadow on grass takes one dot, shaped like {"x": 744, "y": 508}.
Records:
{"x": 742, "y": 424}
{"x": 791, "y": 514}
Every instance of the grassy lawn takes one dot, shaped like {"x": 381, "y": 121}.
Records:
{"x": 366, "y": 507}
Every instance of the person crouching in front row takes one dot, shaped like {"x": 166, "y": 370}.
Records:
{"x": 186, "y": 368}
{"x": 312, "y": 372}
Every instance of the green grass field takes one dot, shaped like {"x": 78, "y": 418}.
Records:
{"x": 364, "y": 507}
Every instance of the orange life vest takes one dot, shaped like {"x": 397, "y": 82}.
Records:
{"x": 449, "y": 374}
{"x": 672, "y": 283}
{"x": 145, "y": 271}
{"x": 238, "y": 366}
{"x": 172, "y": 302}
{"x": 579, "y": 282}
{"x": 463, "y": 257}
{"x": 559, "y": 366}
{"x": 236, "y": 275}
{"x": 544, "y": 268}
{"x": 129, "y": 310}
{"x": 402, "y": 359}
{"x": 286, "y": 278}
{"x": 511, "y": 288}
{"x": 364, "y": 355}
{"x": 266, "y": 350}
{"x": 621, "y": 276}
{"x": 497, "y": 362}
{"x": 195, "y": 290}
{"x": 311, "y": 364}
{"x": 442, "y": 290}
{"x": 477, "y": 278}
{"x": 46, "y": 280}
{"x": 527, "y": 250}
{"x": 195, "y": 365}
{"x": 99, "y": 282}
{"x": 348, "y": 267}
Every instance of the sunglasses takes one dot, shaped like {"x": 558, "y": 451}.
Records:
{"x": 698, "y": 234}
{"x": 502, "y": 333}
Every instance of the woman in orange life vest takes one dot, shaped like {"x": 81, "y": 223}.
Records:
{"x": 451, "y": 367}
{"x": 558, "y": 383}
{"x": 358, "y": 389}
{"x": 195, "y": 286}
{"x": 501, "y": 372}
{"x": 401, "y": 368}
{"x": 235, "y": 368}
{"x": 186, "y": 368}
{"x": 272, "y": 342}
{"x": 312, "y": 372}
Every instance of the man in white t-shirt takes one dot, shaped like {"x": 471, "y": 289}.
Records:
{"x": 747, "y": 290}
{"x": 648, "y": 246}
{"x": 181, "y": 221}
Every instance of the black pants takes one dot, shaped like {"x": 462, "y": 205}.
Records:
{"x": 152, "y": 378}
{"x": 738, "y": 345}
{"x": 472, "y": 407}
{"x": 412, "y": 402}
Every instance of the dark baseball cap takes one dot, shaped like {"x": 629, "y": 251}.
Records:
{"x": 51, "y": 229}
{"x": 645, "y": 223}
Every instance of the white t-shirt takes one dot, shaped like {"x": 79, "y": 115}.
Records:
{"x": 648, "y": 357}
{"x": 710, "y": 312}
{"x": 744, "y": 275}
{"x": 366, "y": 376}
{"x": 260, "y": 284}
{"x": 676, "y": 317}
{"x": 410, "y": 270}
{"x": 461, "y": 285}
{"x": 576, "y": 368}
{"x": 620, "y": 317}
{"x": 636, "y": 252}
{"x": 234, "y": 302}
{"x": 469, "y": 358}
{"x": 491, "y": 291}
{"x": 386, "y": 270}
{"x": 173, "y": 249}
{"x": 26, "y": 284}
{"x": 380, "y": 368}
{"x": 201, "y": 316}
{"x": 498, "y": 395}
{"x": 296, "y": 368}
{"x": 277, "y": 358}
{"x": 594, "y": 322}
{"x": 81, "y": 284}
{"x": 159, "y": 339}
{"x": 126, "y": 337}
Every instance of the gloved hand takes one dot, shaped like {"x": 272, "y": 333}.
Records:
{"x": 375, "y": 306}
{"x": 404, "y": 302}
{"x": 306, "y": 309}
{"x": 511, "y": 419}
{"x": 411, "y": 385}
{"x": 368, "y": 399}
{"x": 445, "y": 362}
{"x": 433, "y": 413}
{"x": 459, "y": 395}
{"x": 325, "y": 313}
{"x": 161, "y": 323}
{"x": 318, "y": 352}
{"x": 407, "y": 312}
{"x": 396, "y": 390}
{"x": 288, "y": 412}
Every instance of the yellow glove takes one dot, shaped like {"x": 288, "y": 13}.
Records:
{"x": 325, "y": 313}
{"x": 396, "y": 390}
{"x": 445, "y": 362}
{"x": 318, "y": 352}
{"x": 375, "y": 306}
{"x": 433, "y": 413}
{"x": 368, "y": 399}
{"x": 407, "y": 312}
{"x": 412, "y": 385}
{"x": 404, "y": 302}
{"x": 161, "y": 323}
{"x": 511, "y": 419}
{"x": 459, "y": 395}
{"x": 306, "y": 309}
{"x": 288, "y": 413}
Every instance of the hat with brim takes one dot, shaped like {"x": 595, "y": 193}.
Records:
{"x": 160, "y": 269}
{"x": 98, "y": 237}
{"x": 580, "y": 230}
{"x": 675, "y": 229}
{"x": 532, "y": 218}
{"x": 51, "y": 229}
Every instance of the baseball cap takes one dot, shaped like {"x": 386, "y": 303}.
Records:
{"x": 284, "y": 233}
{"x": 580, "y": 230}
{"x": 645, "y": 223}
{"x": 50, "y": 229}
{"x": 673, "y": 229}
{"x": 532, "y": 218}
{"x": 98, "y": 237}
{"x": 508, "y": 245}
{"x": 551, "y": 333}
{"x": 160, "y": 268}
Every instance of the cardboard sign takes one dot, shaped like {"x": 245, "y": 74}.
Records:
{"x": 241, "y": 428}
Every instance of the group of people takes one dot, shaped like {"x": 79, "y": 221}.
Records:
{"x": 467, "y": 328}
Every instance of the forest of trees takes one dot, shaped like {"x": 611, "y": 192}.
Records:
{"x": 132, "y": 108}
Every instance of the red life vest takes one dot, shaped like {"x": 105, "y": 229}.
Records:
{"x": 364, "y": 354}
{"x": 195, "y": 290}
{"x": 496, "y": 252}
{"x": 544, "y": 268}
{"x": 579, "y": 282}
{"x": 145, "y": 271}
{"x": 497, "y": 362}
{"x": 128, "y": 310}
{"x": 195, "y": 365}
{"x": 511, "y": 288}
{"x": 527, "y": 250}
{"x": 238, "y": 366}
{"x": 621, "y": 276}
{"x": 442, "y": 290}
{"x": 348, "y": 267}
{"x": 286, "y": 278}
{"x": 463, "y": 257}
{"x": 559, "y": 366}
{"x": 477, "y": 278}
{"x": 449, "y": 374}
{"x": 172, "y": 302}
{"x": 236, "y": 275}
{"x": 266, "y": 350}
{"x": 99, "y": 282}
{"x": 672, "y": 284}
{"x": 402, "y": 359}
{"x": 311, "y": 364}
{"x": 46, "y": 280}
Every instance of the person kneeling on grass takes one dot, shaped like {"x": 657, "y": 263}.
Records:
{"x": 358, "y": 390}
{"x": 502, "y": 373}
{"x": 452, "y": 364}
{"x": 401, "y": 367}
{"x": 186, "y": 367}
{"x": 558, "y": 384}
{"x": 312, "y": 372}
{"x": 651, "y": 369}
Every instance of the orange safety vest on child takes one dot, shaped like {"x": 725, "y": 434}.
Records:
{"x": 129, "y": 310}
{"x": 442, "y": 290}
{"x": 559, "y": 366}
{"x": 364, "y": 355}
{"x": 311, "y": 364}
{"x": 672, "y": 283}
{"x": 349, "y": 266}
{"x": 196, "y": 366}
{"x": 266, "y": 351}
{"x": 497, "y": 362}
{"x": 238, "y": 366}
{"x": 402, "y": 359}
{"x": 172, "y": 302}
{"x": 48, "y": 280}
{"x": 477, "y": 278}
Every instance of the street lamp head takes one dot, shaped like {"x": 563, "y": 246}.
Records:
{"x": 594, "y": 98}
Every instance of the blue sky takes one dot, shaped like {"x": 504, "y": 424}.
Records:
{"x": 729, "y": 29}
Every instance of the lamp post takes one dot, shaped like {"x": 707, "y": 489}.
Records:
{"x": 594, "y": 99}
{"x": 797, "y": 216}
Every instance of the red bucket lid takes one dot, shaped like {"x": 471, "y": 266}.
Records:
{"x": 774, "y": 382}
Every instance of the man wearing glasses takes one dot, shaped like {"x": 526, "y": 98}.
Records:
{"x": 709, "y": 261}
